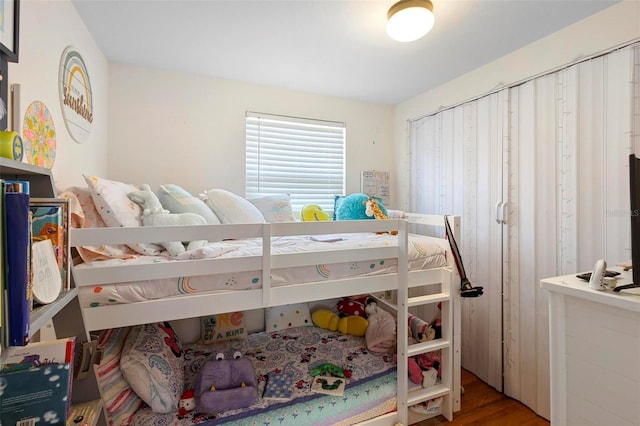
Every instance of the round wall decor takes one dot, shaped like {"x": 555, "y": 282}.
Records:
{"x": 76, "y": 98}
{"x": 39, "y": 135}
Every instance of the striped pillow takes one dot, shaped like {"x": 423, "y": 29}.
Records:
{"x": 121, "y": 402}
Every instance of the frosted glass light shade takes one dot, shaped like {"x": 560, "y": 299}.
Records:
{"x": 408, "y": 20}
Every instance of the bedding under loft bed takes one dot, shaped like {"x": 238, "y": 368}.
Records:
{"x": 397, "y": 280}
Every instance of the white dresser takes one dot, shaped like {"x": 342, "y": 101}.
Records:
{"x": 594, "y": 345}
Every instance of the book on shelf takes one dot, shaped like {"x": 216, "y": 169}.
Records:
{"x": 328, "y": 385}
{"x": 2, "y": 266}
{"x": 18, "y": 186}
{"x": 37, "y": 380}
{"x": 51, "y": 222}
{"x": 279, "y": 387}
{"x": 47, "y": 282}
{"x": 38, "y": 354}
{"x": 18, "y": 264}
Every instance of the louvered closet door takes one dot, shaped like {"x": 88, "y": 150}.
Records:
{"x": 570, "y": 135}
{"x": 457, "y": 165}
{"x": 557, "y": 147}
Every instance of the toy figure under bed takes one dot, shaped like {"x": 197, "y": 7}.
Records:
{"x": 298, "y": 354}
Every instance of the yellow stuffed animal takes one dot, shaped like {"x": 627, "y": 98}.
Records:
{"x": 354, "y": 325}
{"x": 313, "y": 213}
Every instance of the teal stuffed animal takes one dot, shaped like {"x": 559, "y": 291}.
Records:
{"x": 154, "y": 215}
{"x": 354, "y": 206}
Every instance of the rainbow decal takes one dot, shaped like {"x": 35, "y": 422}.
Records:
{"x": 323, "y": 271}
{"x": 183, "y": 286}
{"x": 420, "y": 249}
{"x": 76, "y": 97}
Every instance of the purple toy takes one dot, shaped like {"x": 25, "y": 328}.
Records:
{"x": 225, "y": 384}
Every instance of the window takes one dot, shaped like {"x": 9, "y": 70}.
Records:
{"x": 301, "y": 157}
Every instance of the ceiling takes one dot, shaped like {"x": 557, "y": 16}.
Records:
{"x": 330, "y": 47}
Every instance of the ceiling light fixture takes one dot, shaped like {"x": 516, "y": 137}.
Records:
{"x": 408, "y": 20}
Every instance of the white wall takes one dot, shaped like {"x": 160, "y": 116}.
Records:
{"x": 168, "y": 127}
{"x": 46, "y": 29}
{"x": 612, "y": 27}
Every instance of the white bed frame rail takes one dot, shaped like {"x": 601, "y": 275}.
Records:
{"x": 194, "y": 305}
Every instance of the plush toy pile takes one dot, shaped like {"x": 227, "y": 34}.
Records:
{"x": 154, "y": 215}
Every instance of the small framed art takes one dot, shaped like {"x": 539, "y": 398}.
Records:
{"x": 51, "y": 221}
{"x": 9, "y": 29}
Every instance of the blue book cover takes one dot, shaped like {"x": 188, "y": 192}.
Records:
{"x": 279, "y": 387}
{"x": 18, "y": 238}
{"x": 37, "y": 396}
{"x": 18, "y": 186}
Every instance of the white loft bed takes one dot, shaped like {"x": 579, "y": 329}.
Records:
{"x": 444, "y": 281}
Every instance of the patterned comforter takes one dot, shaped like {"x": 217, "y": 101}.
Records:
{"x": 370, "y": 391}
{"x": 424, "y": 253}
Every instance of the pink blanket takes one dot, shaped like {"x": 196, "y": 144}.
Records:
{"x": 381, "y": 332}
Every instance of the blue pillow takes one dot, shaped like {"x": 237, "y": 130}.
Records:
{"x": 352, "y": 207}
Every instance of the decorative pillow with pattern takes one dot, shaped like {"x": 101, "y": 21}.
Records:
{"x": 217, "y": 328}
{"x": 177, "y": 200}
{"x": 275, "y": 208}
{"x": 84, "y": 215}
{"x": 153, "y": 363}
{"x": 286, "y": 316}
{"x": 117, "y": 210}
{"x": 120, "y": 401}
{"x": 231, "y": 208}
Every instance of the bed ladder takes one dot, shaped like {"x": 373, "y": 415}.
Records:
{"x": 445, "y": 386}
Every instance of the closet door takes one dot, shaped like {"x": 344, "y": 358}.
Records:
{"x": 570, "y": 137}
{"x": 532, "y": 235}
{"x": 457, "y": 168}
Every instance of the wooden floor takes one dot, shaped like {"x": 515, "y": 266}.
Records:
{"x": 483, "y": 405}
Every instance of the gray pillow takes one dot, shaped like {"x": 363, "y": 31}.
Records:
{"x": 177, "y": 200}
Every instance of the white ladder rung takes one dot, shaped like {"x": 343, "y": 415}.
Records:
{"x": 429, "y": 298}
{"x": 425, "y": 394}
{"x": 430, "y": 346}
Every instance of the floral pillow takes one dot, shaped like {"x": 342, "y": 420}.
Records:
{"x": 275, "y": 208}
{"x": 152, "y": 361}
{"x": 117, "y": 210}
{"x": 84, "y": 215}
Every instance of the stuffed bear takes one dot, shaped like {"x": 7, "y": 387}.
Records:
{"x": 154, "y": 215}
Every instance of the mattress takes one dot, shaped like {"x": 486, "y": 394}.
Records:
{"x": 369, "y": 392}
{"x": 424, "y": 253}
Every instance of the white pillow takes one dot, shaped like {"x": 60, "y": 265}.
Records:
{"x": 278, "y": 318}
{"x": 231, "y": 208}
{"x": 275, "y": 208}
{"x": 117, "y": 210}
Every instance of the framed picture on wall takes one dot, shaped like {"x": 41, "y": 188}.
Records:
{"x": 9, "y": 29}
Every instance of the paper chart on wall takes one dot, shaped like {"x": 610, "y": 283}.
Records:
{"x": 376, "y": 184}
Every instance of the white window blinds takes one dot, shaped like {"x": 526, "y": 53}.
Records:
{"x": 301, "y": 157}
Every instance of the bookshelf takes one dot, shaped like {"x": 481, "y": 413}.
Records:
{"x": 65, "y": 311}
{"x": 40, "y": 179}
